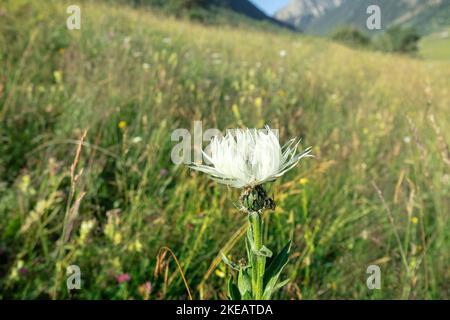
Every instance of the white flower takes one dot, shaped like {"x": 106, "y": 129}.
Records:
{"x": 250, "y": 157}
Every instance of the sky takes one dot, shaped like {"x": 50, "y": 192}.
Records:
{"x": 270, "y": 6}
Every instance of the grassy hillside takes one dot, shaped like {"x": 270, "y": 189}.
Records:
{"x": 130, "y": 78}
{"x": 217, "y": 12}
{"x": 436, "y": 45}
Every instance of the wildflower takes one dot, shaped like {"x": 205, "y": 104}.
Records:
{"x": 333, "y": 286}
{"x": 117, "y": 238}
{"x": 303, "y": 181}
{"x": 235, "y": 110}
{"x": 122, "y": 124}
{"x": 58, "y": 76}
{"x": 111, "y": 228}
{"x": 145, "y": 289}
{"x": 258, "y": 102}
{"x": 135, "y": 246}
{"x": 283, "y": 53}
{"x": 85, "y": 229}
{"x": 124, "y": 277}
{"x": 23, "y": 272}
{"x": 25, "y": 184}
{"x": 220, "y": 273}
{"x": 115, "y": 263}
{"x": 365, "y": 234}
{"x": 136, "y": 140}
{"x": 14, "y": 275}
{"x": 138, "y": 246}
{"x": 249, "y": 158}
{"x": 414, "y": 220}
{"x": 145, "y": 66}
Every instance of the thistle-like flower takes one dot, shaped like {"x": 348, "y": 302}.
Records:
{"x": 249, "y": 157}
{"x": 246, "y": 159}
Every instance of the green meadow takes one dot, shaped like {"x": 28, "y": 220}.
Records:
{"x": 86, "y": 176}
{"x": 436, "y": 46}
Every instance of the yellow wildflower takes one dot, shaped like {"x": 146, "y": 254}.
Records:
{"x": 258, "y": 102}
{"x": 122, "y": 124}
{"x": 220, "y": 273}
{"x": 117, "y": 238}
{"x": 58, "y": 76}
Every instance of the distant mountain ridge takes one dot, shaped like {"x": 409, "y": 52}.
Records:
{"x": 323, "y": 16}
{"x": 247, "y": 8}
{"x": 211, "y": 11}
{"x": 301, "y": 13}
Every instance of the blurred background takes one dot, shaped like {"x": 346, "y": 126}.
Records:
{"x": 86, "y": 118}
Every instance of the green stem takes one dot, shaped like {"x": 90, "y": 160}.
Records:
{"x": 258, "y": 270}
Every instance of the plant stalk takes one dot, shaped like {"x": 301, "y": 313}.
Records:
{"x": 258, "y": 270}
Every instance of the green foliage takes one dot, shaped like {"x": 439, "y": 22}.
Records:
{"x": 351, "y": 36}
{"x": 273, "y": 272}
{"x": 256, "y": 269}
{"x": 398, "y": 39}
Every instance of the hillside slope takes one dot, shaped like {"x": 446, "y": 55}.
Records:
{"x": 425, "y": 15}
{"x": 212, "y": 11}
{"x": 248, "y": 9}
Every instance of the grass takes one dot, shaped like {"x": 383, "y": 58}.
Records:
{"x": 376, "y": 193}
{"x": 436, "y": 46}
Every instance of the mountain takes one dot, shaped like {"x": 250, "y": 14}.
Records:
{"x": 425, "y": 15}
{"x": 213, "y": 11}
{"x": 248, "y": 9}
{"x": 301, "y": 13}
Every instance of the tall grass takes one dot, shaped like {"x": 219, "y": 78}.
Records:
{"x": 377, "y": 192}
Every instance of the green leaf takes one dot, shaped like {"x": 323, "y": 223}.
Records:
{"x": 244, "y": 282}
{"x": 281, "y": 285}
{"x": 233, "y": 291}
{"x": 264, "y": 251}
{"x": 274, "y": 269}
{"x": 247, "y": 296}
{"x": 250, "y": 233}
{"x": 248, "y": 246}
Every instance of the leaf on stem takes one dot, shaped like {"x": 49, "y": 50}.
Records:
{"x": 244, "y": 283}
{"x": 233, "y": 291}
{"x": 273, "y": 271}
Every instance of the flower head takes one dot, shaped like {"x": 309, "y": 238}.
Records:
{"x": 122, "y": 124}
{"x": 124, "y": 277}
{"x": 145, "y": 289}
{"x": 250, "y": 157}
